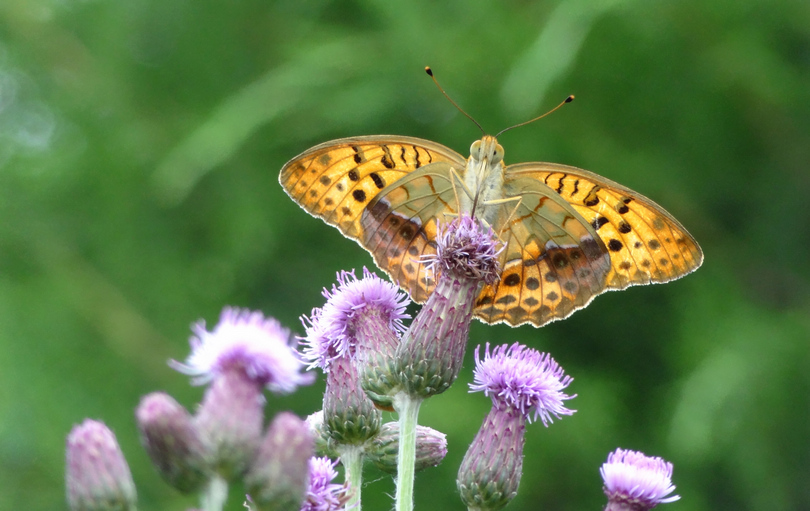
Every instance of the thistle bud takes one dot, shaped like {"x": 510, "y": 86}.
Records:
{"x": 277, "y": 478}
{"x": 431, "y": 448}
{"x": 97, "y": 477}
{"x": 172, "y": 442}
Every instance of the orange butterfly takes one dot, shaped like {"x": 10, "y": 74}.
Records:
{"x": 569, "y": 234}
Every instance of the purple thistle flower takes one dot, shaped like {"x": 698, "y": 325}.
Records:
{"x": 359, "y": 325}
{"x": 522, "y": 379}
{"x": 634, "y": 481}
{"x": 331, "y": 331}
{"x": 97, "y": 476}
{"x": 259, "y": 346}
{"x": 464, "y": 249}
{"x": 432, "y": 350}
{"x": 523, "y": 384}
{"x": 323, "y": 494}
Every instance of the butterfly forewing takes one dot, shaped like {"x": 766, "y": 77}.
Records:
{"x": 646, "y": 244}
{"x": 336, "y": 180}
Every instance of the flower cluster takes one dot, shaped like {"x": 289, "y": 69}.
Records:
{"x": 371, "y": 361}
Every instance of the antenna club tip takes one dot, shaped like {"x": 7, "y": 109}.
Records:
{"x": 428, "y": 71}
{"x": 569, "y": 98}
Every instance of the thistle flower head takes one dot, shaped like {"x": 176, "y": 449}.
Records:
{"x": 330, "y": 331}
{"x": 640, "y": 481}
{"x": 323, "y": 494}
{"x": 465, "y": 249}
{"x": 522, "y": 379}
{"x": 260, "y": 346}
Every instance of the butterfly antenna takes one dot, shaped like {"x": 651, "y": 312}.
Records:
{"x": 430, "y": 74}
{"x": 567, "y": 100}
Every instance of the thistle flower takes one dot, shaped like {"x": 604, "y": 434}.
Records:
{"x": 97, "y": 477}
{"x": 362, "y": 321}
{"x": 259, "y": 346}
{"x": 172, "y": 442}
{"x": 432, "y": 350}
{"x": 353, "y": 338}
{"x": 523, "y": 385}
{"x": 245, "y": 353}
{"x": 323, "y": 494}
{"x": 636, "y": 482}
{"x": 277, "y": 478}
{"x": 522, "y": 379}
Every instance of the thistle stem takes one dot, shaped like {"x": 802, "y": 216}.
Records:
{"x": 408, "y": 409}
{"x": 215, "y": 494}
{"x": 352, "y": 458}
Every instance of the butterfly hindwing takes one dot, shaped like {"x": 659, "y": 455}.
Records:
{"x": 646, "y": 244}
{"x": 400, "y": 225}
{"x": 553, "y": 262}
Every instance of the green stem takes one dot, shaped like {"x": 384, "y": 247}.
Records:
{"x": 352, "y": 458}
{"x": 215, "y": 494}
{"x": 408, "y": 409}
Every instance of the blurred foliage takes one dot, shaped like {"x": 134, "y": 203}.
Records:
{"x": 140, "y": 143}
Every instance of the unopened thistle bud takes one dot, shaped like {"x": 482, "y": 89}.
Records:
{"x": 432, "y": 350}
{"x": 245, "y": 353}
{"x": 431, "y": 448}
{"x": 97, "y": 477}
{"x": 277, "y": 478}
{"x": 636, "y": 482}
{"x": 349, "y": 415}
{"x": 172, "y": 442}
{"x": 523, "y": 385}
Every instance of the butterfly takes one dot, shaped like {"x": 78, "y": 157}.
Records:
{"x": 568, "y": 234}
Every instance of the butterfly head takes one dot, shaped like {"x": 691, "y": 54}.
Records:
{"x": 487, "y": 149}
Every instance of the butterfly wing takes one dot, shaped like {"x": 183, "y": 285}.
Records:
{"x": 646, "y": 244}
{"x": 553, "y": 261}
{"x": 400, "y": 224}
{"x": 336, "y": 180}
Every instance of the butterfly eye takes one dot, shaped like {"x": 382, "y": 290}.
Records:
{"x": 497, "y": 155}
{"x": 475, "y": 150}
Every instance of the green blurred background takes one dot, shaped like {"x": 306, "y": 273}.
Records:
{"x": 140, "y": 144}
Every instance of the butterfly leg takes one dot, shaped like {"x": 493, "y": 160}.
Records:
{"x": 517, "y": 199}
{"x": 455, "y": 176}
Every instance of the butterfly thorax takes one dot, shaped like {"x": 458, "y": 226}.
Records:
{"x": 483, "y": 179}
